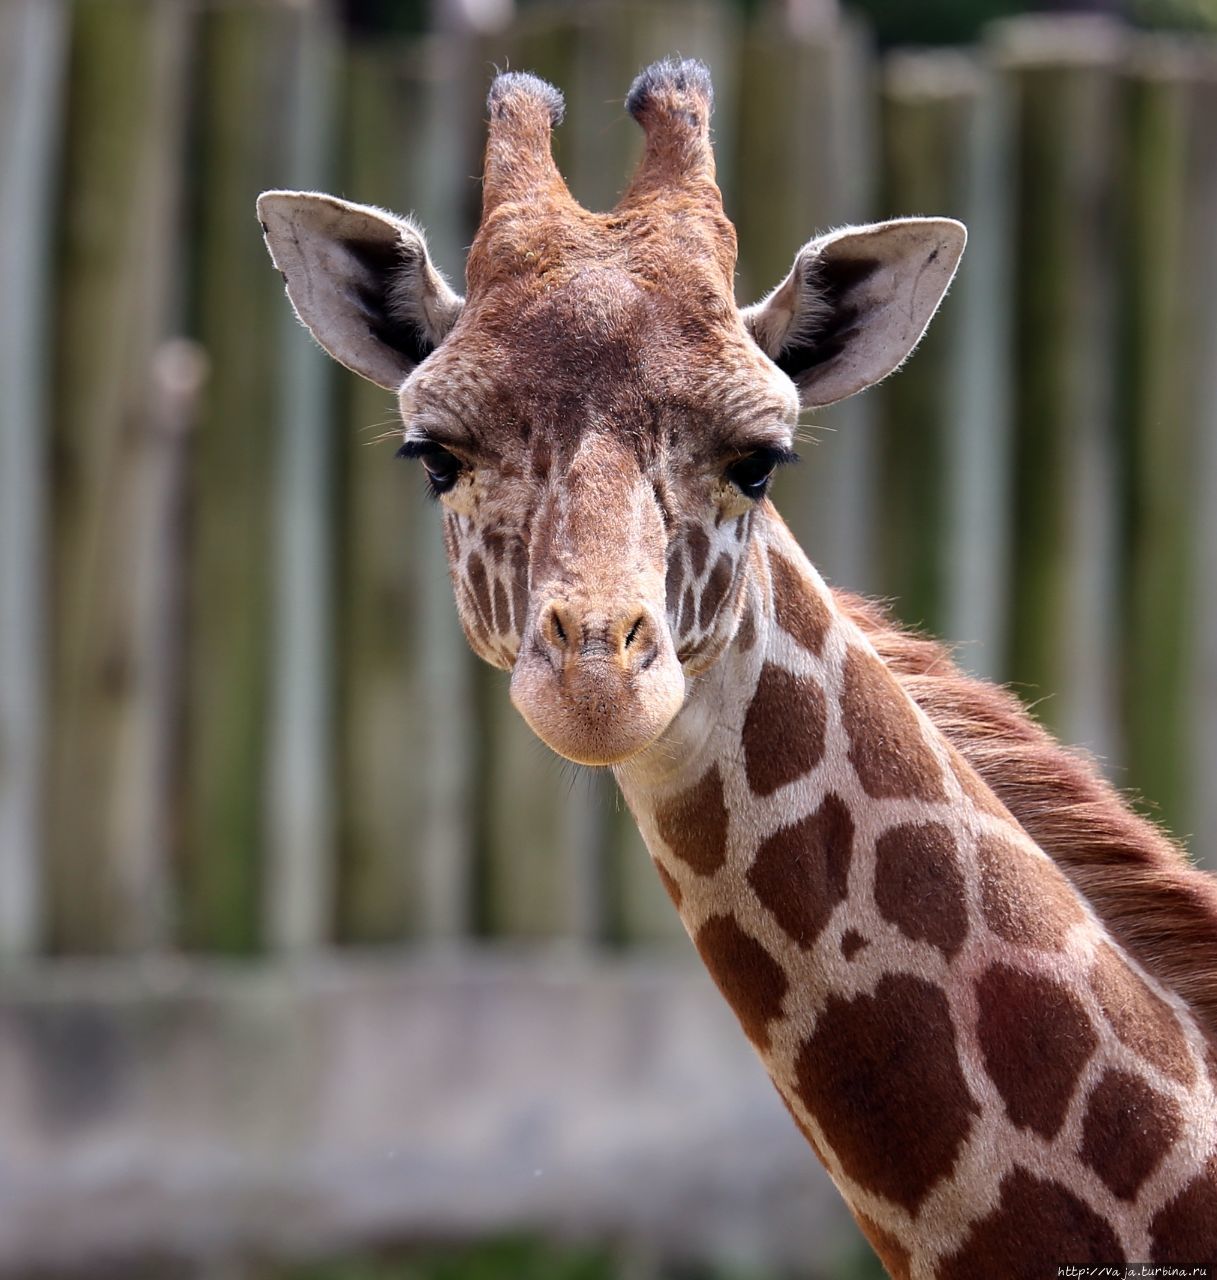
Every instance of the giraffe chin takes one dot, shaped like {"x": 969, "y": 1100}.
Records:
{"x": 598, "y": 714}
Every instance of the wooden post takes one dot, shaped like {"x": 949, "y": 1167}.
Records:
{"x": 804, "y": 165}
{"x": 1062, "y": 611}
{"x": 440, "y": 160}
{"x": 943, "y": 457}
{"x": 123, "y": 127}
{"x": 149, "y": 820}
{"x": 928, "y": 114}
{"x": 32, "y": 47}
{"x": 383, "y": 760}
{"x": 1167, "y": 330}
{"x": 978, "y": 397}
{"x": 247, "y": 75}
{"x": 301, "y": 817}
{"x": 1201, "y": 742}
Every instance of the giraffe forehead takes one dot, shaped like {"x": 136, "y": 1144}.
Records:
{"x": 551, "y": 354}
{"x": 596, "y": 328}
{"x": 532, "y": 412}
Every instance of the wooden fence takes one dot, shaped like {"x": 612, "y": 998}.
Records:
{"x": 236, "y": 712}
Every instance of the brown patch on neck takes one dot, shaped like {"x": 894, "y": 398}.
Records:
{"x": 771, "y": 760}
{"x": 1159, "y": 908}
{"x": 801, "y": 872}
{"x": 750, "y": 979}
{"x": 745, "y": 635}
{"x": 714, "y": 590}
{"x": 1127, "y": 1130}
{"x": 1035, "y": 1038}
{"x": 919, "y": 886}
{"x": 1184, "y": 1232}
{"x": 1025, "y": 899}
{"x": 699, "y": 549}
{"x": 887, "y": 746}
{"x": 694, "y": 824}
{"x": 1141, "y": 1019}
{"x": 881, "y": 1075}
{"x": 797, "y": 605}
{"x": 1036, "y": 1225}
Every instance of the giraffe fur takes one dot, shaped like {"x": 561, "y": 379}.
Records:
{"x": 984, "y": 990}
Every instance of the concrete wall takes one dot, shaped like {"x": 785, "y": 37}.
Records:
{"x": 203, "y": 1112}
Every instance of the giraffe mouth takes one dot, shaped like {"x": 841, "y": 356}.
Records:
{"x": 597, "y": 706}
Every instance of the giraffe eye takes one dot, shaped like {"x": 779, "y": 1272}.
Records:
{"x": 751, "y": 474}
{"x": 443, "y": 468}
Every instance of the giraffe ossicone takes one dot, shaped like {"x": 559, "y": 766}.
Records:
{"x": 985, "y": 990}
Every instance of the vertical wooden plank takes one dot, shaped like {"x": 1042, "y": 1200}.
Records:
{"x": 524, "y": 887}
{"x": 169, "y": 386}
{"x": 246, "y": 74}
{"x": 1062, "y": 610}
{"x": 805, "y": 163}
{"x": 382, "y": 763}
{"x": 149, "y": 821}
{"x": 301, "y": 802}
{"x": 123, "y": 118}
{"x": 782, "y": 197}
{"x": 637, "y": 909}
{"x": 600, "y": 144}
{"x": 32, "y": 48}
{"x": 942, "y": 459}
{"x": 847, "y": 497}
{"x": 978, "y": 405}
{"x": 441, "y": 161}
{"x": 412, "y": 770}
{"x": 1201, "y": 218}
{"x": 1161, "y": 366}
{"x": 928, "y": 108}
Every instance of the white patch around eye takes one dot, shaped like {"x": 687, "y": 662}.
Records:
{"x": 729, "y": 501}
{"x": 464, "y": 496}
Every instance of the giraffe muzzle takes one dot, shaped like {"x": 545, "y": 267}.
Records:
{"x": 598, "y": 685}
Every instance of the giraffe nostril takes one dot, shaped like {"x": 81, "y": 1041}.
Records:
{"x": 632, "y": 634}
{"x": 555, "y": 629}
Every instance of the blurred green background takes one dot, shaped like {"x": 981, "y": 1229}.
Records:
{"x": 313, "y": 962}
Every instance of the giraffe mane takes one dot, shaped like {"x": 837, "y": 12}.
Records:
{"x": 1139, "y": 882}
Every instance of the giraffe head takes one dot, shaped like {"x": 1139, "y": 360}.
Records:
{"x": 597, "y": 418}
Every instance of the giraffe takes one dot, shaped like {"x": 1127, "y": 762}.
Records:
{"x": 984, "y": 989}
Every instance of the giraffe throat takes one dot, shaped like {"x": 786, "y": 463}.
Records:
{"x": 982, "y": 1069}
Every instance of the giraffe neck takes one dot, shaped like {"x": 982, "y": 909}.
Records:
{"x": 982, "y": 1070}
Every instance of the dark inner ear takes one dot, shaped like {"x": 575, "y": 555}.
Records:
{"x": 834, "y": 283}
{"x": 382, "y": 264}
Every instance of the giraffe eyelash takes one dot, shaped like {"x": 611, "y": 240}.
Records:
{"x": 442, "y": 467}
{"x": 752, "y": 472}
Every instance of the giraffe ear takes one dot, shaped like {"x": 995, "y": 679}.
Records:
{"x": 856, "y": 303}
{"x": 360, "y": 280}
